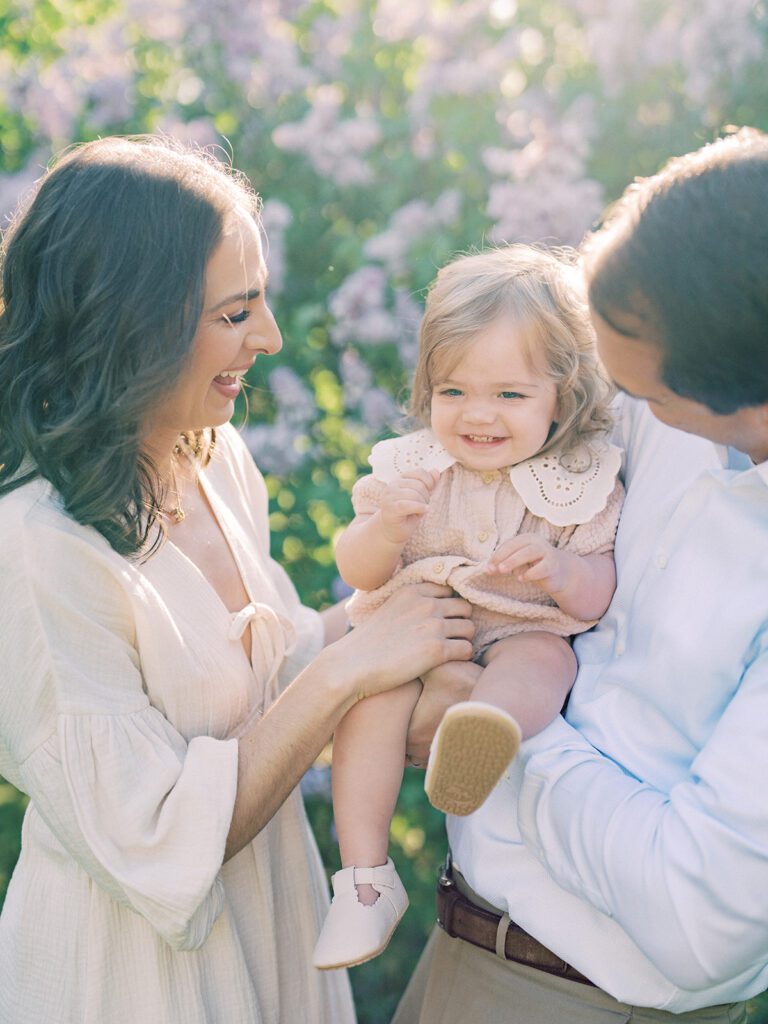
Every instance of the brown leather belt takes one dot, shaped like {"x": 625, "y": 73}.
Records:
{"x": 462, "y": 919}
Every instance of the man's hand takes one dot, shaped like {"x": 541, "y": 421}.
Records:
{"x": 449, "y": 683}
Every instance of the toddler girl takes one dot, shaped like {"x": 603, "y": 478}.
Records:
{"x": 510, "y": 496}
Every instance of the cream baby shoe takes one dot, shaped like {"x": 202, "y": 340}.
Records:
{"x": 472, "y": 747}
{"x": 352, "y": 932}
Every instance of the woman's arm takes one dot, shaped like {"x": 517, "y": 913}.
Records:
{"x": 335, "y": 622}
{"x": 430, "y": 627}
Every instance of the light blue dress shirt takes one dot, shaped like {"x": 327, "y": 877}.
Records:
{"x": 631, "y": 837}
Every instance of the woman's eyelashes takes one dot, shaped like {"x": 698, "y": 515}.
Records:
{"x": 237, "y": 318}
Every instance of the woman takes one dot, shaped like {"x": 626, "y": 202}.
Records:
{"x": 167, "y": 871}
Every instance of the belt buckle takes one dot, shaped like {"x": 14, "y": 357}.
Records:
{"x": 450, "y": 895}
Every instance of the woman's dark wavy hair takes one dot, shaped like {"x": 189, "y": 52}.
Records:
{"x": 685, "y": 253}
{"x": 102, "y": 290}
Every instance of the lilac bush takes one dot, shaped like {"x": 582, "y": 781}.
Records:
{"x": 384, "y": 137}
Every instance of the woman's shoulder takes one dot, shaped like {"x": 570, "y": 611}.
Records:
{"x": 40, "y": 536}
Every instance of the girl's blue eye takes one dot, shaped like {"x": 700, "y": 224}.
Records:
{"x": 511, "y": 394}
{"x": 238, "y": 318}
{"x": 451, "y": 392}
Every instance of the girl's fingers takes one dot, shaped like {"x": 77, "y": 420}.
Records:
{"x": 537, "y": 572}
{"x": 523, "y": 557}
{"x": 429, "y": 477}
{"x": 404, "y": 508}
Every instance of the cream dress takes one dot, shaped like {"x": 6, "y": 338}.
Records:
{"x": 124, "y": 687}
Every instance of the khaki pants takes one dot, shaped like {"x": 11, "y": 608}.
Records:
{"x": 457, "y": 983}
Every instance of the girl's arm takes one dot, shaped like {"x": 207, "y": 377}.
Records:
{"x": 368, "y": 551}
{"x": 582, "y": 585}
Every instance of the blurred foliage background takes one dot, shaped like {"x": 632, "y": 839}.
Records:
{"x": 383, "y": 136}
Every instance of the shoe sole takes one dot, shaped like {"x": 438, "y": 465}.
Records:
{"x": 362, "y": 960}
{"x": 356, "y": 963}
{"x": 473, "y": 747}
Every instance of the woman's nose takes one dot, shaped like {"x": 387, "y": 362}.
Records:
{"x": 265, "y": 335}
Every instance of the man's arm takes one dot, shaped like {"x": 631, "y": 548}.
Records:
{"x": 684, "y": 874}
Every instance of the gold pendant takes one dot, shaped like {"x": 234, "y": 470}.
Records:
{"x": 177, "y": 514}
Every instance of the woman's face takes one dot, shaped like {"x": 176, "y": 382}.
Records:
{"x": 236, "y": 326}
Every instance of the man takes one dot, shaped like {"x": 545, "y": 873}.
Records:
{"x": 629, "y": 843}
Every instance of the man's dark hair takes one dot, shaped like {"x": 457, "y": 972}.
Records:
{"x": 686, "y": 253}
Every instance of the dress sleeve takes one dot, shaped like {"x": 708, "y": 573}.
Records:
{"x": 598, "y": 535}
{"x": 142, "y": 810}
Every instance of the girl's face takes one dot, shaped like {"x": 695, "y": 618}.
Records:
{"x": 494, "y": 408}
{"x": 236, "y": 326}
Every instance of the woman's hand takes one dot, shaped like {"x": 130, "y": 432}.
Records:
{"x": 442, "y": 686}
{"x": 416, "y": 629}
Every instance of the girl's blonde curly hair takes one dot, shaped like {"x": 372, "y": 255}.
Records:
{"x": 542, "y": 292}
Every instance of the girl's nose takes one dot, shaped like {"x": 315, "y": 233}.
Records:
{"x": 478, "y": 413}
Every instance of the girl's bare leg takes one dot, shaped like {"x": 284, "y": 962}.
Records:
{"x": 368, "y": 758}
{"x": 529, "y": 676}
{"x": 522, "y": 687}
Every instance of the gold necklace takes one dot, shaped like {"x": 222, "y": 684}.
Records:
{"x": 175, "y": 512}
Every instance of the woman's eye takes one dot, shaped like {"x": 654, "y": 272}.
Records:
{"x": 237, "y": 318}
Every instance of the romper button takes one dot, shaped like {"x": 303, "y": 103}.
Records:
{"x": 488, "y": 477}
{"x": 482, "y": 537}
{"x": 438, "y": 566}
{"x": 661, "y": 560}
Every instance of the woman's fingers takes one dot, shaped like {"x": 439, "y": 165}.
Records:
{"x": 454, "y": 627}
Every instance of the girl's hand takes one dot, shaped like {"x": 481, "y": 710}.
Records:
{"x": 533, "y": 560}
{"x": 447, "y": 684}
{"x": 419, "y": 627}
{"x": 404, "y": 503}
